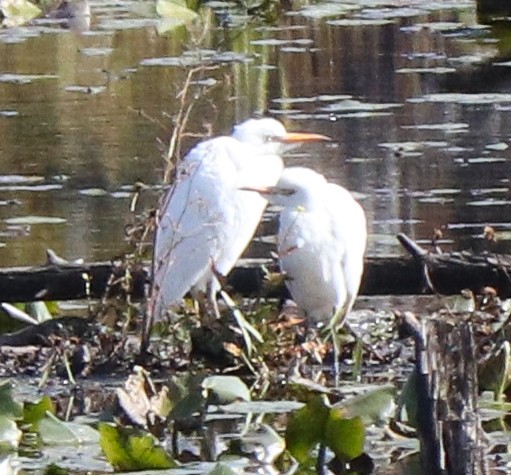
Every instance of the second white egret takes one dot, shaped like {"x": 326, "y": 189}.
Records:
{"x": 321, "y": 244}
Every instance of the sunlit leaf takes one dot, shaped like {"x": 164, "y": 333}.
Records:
{"x": 33, "y": 413}
{"x": 8, "y": 406}
{"x": 39, "y": 311}
{"x": 6, "y": 467}
{"x": 225, "y": 389}
{"x": 175, "y": 10}
{"x": 10, "y": 435}
{"x": 345, "y": 437}
{"x": 373, "y": 406}
{"x": 132, "y": 450}
{"x": 53, "y": 431}
{"x": 223, "y": 469}
{"x": 29, "y": 220}
{"x": 17, "y": 12}
{"x": 306, "y": 427}
{"x": 263, "y": 443}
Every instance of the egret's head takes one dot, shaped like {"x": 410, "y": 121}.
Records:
{"x": 296, "y": 187}
{"x": 271, "y": 135}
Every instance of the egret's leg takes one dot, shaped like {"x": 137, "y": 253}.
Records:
{"x": 337, "y": 354}
{"x": 212, "y": 290}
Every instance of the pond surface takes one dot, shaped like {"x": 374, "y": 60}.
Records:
{"x": 415, "y": 95}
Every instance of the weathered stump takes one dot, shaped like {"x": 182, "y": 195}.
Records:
{"x": 448, "y": 423}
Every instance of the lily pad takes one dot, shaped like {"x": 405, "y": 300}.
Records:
{"x": 225, "y": 389}
{"x": 17, "y": 12}
{"x": 29, "y": 220}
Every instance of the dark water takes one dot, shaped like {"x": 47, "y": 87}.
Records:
{"x": 419, "y": 115}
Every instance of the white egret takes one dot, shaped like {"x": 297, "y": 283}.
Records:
{"x": 321, "y": 244}
{"x": 205, "y": 221}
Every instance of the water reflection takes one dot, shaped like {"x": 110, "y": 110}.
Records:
{"x": 93, "y": 107}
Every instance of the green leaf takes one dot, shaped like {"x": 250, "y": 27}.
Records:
{"x": 53, "y": 431}
{"x": 373, "y": 406}
{"x": 345, "y": 437}
{"x": 33, "y": 413}
{"x": 132, "y": 450}
{"x": 175, "y": 10}
{"x": 17, "y": 12}
{"x": 8, "y": 406}
{"x": 222, "y": 469}
{"x": 10, "y": 435}
{"x": 225, "y": 389}
{"x": 306, "y": 427}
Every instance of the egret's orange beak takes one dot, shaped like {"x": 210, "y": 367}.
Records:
{"x": 295, "y": 137}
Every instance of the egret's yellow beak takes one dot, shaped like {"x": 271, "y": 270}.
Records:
{"x": 295, "y": 137}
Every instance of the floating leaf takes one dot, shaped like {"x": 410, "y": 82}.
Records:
{"x": 53, "y": 431}
{"x": 33, "y": 413}
{"x": 35, "y": 220}
{"x": 373, "y": 406}
{"x": 132, "y": 450}
{"x": 8, "y": 406}
{"x": 306, "y": 427}
{"x": 345, "y": 437}
{"x": 10, "y": 435}
{"x": 17, "y": 12}
{"x": 223, "y": 469}
{"x": 225, "y": 389}
{"x": 175, "y": 10}
{"x": 263, "y": 443}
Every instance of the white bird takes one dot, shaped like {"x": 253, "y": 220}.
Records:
{"x": 206, "y": 221}
{"x": 321, "y": 243}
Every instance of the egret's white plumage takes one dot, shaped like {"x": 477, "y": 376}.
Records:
{"x": 321, "y": 243}
{"x": 206, "y": 221}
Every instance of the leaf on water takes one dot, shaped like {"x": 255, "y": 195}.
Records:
{"x": 345, "y": 437}
{"x": 10, "y": 435}
{"x": 223, "y": 469}
{"x": 374, "y": 406}
{"x": 6, "y": 467}
{"x": 39, "y": 311}
{"x": 17, "y": 12}
{"x": 306, "y": 427}
{"x": 262, "y": 407}
{"x": 263, "y": 443}
{"x": 33, "y": 413}
{"x": 225, "y": 389}
{"x": 53, "y": 431}
{"x": 93, "y": 192}
{"x": 175, "y": 10}
{"x": 8, "y": 406}
{"x": 35, "y": 220}
{"x": 132, "y": 450}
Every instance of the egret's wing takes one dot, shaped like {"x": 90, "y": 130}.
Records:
{"x": 194, "y": 220}
{"x": 349, "y": 230}
{"x": 254, "y": 170}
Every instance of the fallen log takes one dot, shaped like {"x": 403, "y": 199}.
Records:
{"x": 424, "y": 272}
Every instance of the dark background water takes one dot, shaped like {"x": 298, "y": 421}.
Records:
{"x": 410, "y": 94}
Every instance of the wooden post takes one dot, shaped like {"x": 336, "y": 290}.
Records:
{"x": 448, "y": 424}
